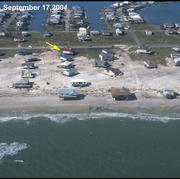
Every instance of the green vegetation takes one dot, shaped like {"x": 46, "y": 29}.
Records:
{"x": 158, "y": 57}
{"x": 158, "y": 38}
{"x": 8, "y": 53}
{"x": 145, "y": 27}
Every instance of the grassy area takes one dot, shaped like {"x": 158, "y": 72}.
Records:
{"x": 145, "y": 27}
{"x": 90, "y": 53}
{"x": 158, "y": 38}
{"x": 158, "y": 57}
{"x": 70, "y": 39}
{"x": 59, "y": 27}
{"x": 7, "y": 42}
{"x": 8, "y": 53}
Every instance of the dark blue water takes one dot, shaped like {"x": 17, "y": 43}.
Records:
{"x": 162, "y": 13}
{"x": 92, "y": 9}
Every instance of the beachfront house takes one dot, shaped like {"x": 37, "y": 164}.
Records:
{"x": 101, "y": 64}
{"x": 23, "y": 83}
{"x": 67, "y": 64}
{"x": 168, "y": 26}
{"x": 150, "y": 64}
{"x": 66, "y": 58}
{"x": 79, "y": 82}
{"x": 22, "y": 51}
{"x": 120, "y": 93}
{"x": 174, "y": 55}
{"x": 171, "y": 31}
{"x": 28, "y": 66}
{"x": 27, "y": 74}
{"x": 118, "y": 26}
{"x": 107, "y": 56}
{"x": 68, "y": 51}
{"x": 177, "y": 61}
{"x": 30, "y": 58}
{"x": 113, "y": 72}
{"x": 70, "y": 72}
{"x": 66, "y": 93}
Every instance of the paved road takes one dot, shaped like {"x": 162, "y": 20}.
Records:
{"x": 9, "y": 21}
{"x": 67, "y": 20}
{"x": 91, "y": 47}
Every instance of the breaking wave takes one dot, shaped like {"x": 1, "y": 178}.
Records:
{"x": 11, "y": 149}
{"x": 66, "y": 117}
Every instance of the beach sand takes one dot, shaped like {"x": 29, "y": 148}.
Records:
{"x": 145, "y": 84}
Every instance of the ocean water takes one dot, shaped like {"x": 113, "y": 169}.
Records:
{"x": 89, "y": 145}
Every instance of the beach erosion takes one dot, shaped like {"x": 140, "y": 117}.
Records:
{"x": 145, "y": 85}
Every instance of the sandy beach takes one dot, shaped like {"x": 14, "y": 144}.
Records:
{"x": 145, "y": 84}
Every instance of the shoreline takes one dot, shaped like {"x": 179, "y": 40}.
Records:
{"x": 89, "y": 104}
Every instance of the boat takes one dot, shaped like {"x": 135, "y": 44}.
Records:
{"x": 102, "y": 18}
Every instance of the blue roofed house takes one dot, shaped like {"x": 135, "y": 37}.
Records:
{"x": 67, "y": 93}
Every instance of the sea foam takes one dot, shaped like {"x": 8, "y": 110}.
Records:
{"x": 11, "y": 149}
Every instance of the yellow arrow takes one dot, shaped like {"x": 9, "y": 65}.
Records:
{"x": 54, "y": 46}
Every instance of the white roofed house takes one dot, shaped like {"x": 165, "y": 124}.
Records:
{"x": 148, "y": 32}
{"x": 82, "y": 31}
{"x": 119, "y": 32}
{"x": 2, "y": 34}
{"x": 177, "y": 61}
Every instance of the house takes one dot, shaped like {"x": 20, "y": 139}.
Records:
{"x": 53, "y": 20}
{"x": 119, "y": 32}
{"x": 171, "y": 31}
{"x": 178, "y": 31}
{"x": 113, "y": 72}
{"x": 23, "y": 83}
{"x": 107, "y": 56}
{"x": 27, "y": 74}
{"x": 30, "y": 58}
{"x": 143, "y": 50}
{"x": 94, "y": 32}
{"x": 66, "y": 58}
{"x": 100, "y": 64}
{"x": 82, "y": 31}
{"x": 19, "y": 23}
{"x": 118, "y": 26}
{"x": 47, "y": 34}
{"x": 168, "y": 93}
{"x": 28, "y": 66}
{"x": 176, "y": 49}
{"x": 177, "y": 25}
{"x": 106, "y": 33}
{"x": 79, "y": 82}
{"x": 177, "y": 61}
{"x": 120, "y": 93}
{"x": 70, "y": 72}
{"x": 25, "y": 33}
{"x": 149, "y": 64}
{"x": 67, "y": 93}
{"x": 22, "y": 51}
{"x": 168, "y": 26}
{"x": 148, "y": 32}
{"x": 2, "y": 34}
{"x": 174, "y": 55}
{"x": 68, "y": 50}
{"x": 19, "y": 39}
{"x": 66, "y": 64}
